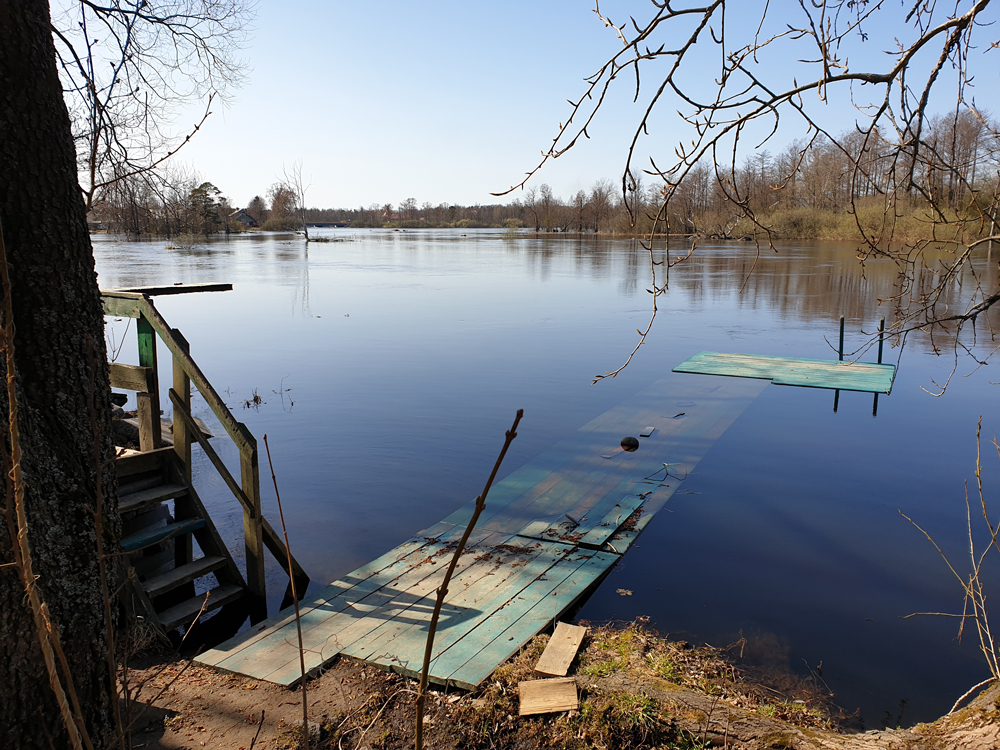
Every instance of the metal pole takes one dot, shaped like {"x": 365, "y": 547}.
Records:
{"x": 841, "y": 338}
{"x": 881, "y": 335}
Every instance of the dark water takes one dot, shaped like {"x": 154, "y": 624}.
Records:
{"x": 403, "y": 356}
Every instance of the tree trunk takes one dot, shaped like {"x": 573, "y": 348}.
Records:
{"x": 60, "y": 366}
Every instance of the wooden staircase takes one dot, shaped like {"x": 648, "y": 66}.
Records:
{"x": 164, "y": 521}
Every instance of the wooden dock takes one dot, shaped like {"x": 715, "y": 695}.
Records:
{"x": 810, "y": 373}
{"x": 551, "y": 530}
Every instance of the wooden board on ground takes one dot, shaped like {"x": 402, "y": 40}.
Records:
{"x": 561, "y": 650}
{"x": 507, "y": 587}
{"x": 809, "y": 373}
{"x": 547, "y": 696}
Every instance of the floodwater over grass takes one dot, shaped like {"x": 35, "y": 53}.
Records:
{"x": 390, "y": 364}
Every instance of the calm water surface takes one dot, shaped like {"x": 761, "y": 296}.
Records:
{"x": 391, "y": 364}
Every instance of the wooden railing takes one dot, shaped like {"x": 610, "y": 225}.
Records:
{"x": 144, "y": 379}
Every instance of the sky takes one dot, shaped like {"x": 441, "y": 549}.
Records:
{"x": 447, "y": 101}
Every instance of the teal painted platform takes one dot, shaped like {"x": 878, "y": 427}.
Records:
{"x": 811, "y": 373}
{"x": 551, "y": 530}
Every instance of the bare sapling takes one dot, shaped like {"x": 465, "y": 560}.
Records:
{"x": 442, "y": 591}
{"x": 974, "y": 603}
{"x": 295, "y": 601}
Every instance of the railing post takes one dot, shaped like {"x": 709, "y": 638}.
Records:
{"x": 148, "y": 404}
{"x": 253, "y": 528}
{"x": 182, "y": 387}
{"x": 183, "y": 545}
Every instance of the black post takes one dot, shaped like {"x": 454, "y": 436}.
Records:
{"x": 881, "y": 335}
{"x": 841, "y": 350}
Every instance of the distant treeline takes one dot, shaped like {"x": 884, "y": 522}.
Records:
{"x": 820, "y": 191}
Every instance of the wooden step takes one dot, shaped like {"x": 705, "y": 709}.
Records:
{"x": 136, "y": 462}
{"x": 161, "y": 584}
{"x": 149, "y": 496}
{"x": 148, "y": 537}
{"x": 181, "y": 615}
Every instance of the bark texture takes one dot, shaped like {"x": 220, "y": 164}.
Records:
{"x": 61, "y": 365}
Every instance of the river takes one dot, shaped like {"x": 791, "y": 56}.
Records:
{"x": 389, "y": 364}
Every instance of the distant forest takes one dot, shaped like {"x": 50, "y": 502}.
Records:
{"x": 798, "y": 193}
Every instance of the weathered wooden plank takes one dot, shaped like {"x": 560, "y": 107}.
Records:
{"x": 258, "y": 654}
{"x": 130, "y": 377}
{"x": 358, "y": 619}
{"x": 159, "y": 291}
{"x": 139, "y": 463}
{"x": 183, "y": 614}
{"x": 366, "y": 572}
{"x": 547, "y": 696}
{"x": 592, "y": 529}
{"x": 600, "y": 533}
{"x": 336, "y": 598}
{"x": 120, "y": 306}
{"x": 502, "y": 583}
{"x": 813, "y": 373}
{"x": 526, "y": 596}
{"x": 130, "y": 501}
{"x": 159, "y": 534}
{"x": 160, "y": 584}
{"x": 401, "y": 640}
{"x": 560, "y": 650}
{"x": 550, "y": 603}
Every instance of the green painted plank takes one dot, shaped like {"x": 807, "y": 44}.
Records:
{"x": 549, "y": 606}
{"x": 517, "y": 603}
{"x": 234, "y": 645}
{"x": 493, "y": 592}
{"x": 586, "y": 528}
{"x": 366, "y": 577}
{"x": 148, "y": 537}
{"x": 357, "y": 619}
{"x": 814, "y": 373}
{"x": 598, "y": 535}
{"x": 471, "y": 598}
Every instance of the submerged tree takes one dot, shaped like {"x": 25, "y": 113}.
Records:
{"x": 741, "y": 76}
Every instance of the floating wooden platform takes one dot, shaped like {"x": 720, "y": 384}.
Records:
{"x": 550, "y": 531}
{"x": 811, "y": 373}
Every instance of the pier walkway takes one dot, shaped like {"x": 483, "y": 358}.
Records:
{"x": 550, "y": 531}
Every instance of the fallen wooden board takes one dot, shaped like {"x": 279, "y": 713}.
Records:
{"x": 547, "y": 696}
{"x": 810, "y": 373}
{"x": 561, "y": 650}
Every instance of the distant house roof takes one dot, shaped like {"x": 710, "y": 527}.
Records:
{"x": 243, "y": 217}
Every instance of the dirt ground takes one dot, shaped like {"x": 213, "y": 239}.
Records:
{"x": 636, "y": 691}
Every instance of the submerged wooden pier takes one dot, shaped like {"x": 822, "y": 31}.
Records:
{"x": 550, "y": 531}
{"x": 869, "y": 377}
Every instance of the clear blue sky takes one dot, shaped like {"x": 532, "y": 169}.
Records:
{"x": 446, "y": 101}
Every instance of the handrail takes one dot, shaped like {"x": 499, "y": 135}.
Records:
{"x": 258, "y": 533}
{"x": 271, "y": 539}
{"x": 142, "y": 306}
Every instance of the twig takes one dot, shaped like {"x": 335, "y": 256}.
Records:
{"x": 295, "y": 601}
{"x": 969, "y": 692}
{"x": 443, "y": 590}
{"x": 260, "y": 726}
